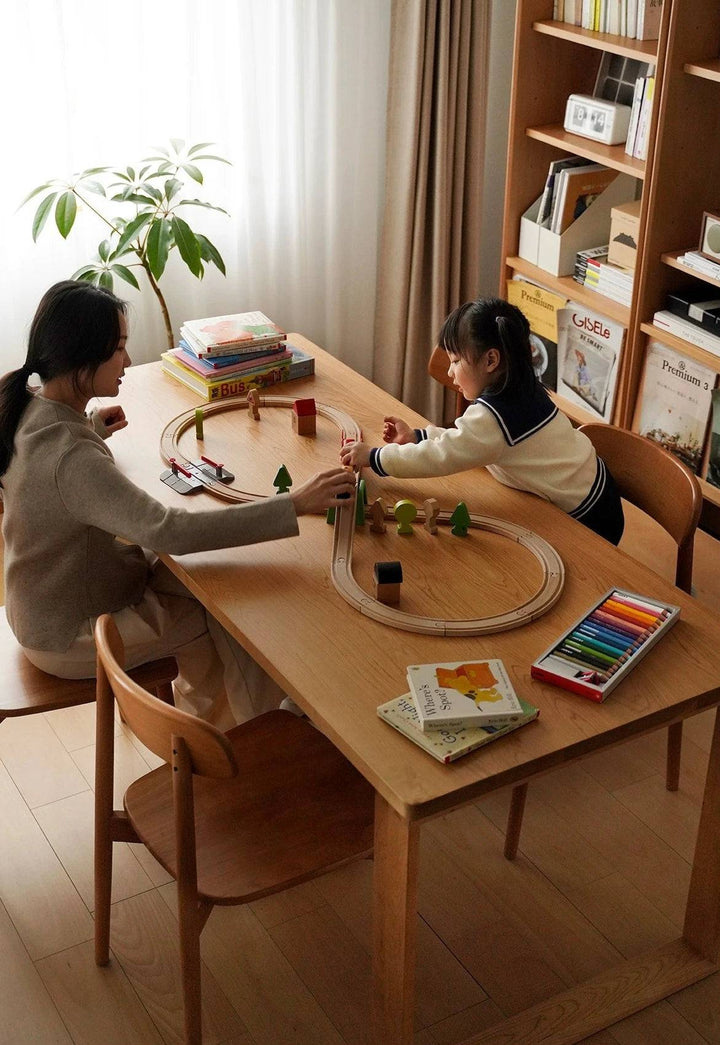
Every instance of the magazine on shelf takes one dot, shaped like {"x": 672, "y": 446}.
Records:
{"x": 590, "y": 347}
{"x": 540, "y": 307}
{"x": 712, "y": 469}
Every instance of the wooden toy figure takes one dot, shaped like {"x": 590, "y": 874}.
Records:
{"x": 253, "y": 398}
{"x": 283, "y": 480}
{"x": 431, "y": 509}
{"x": 388, "y": 578}
{"x": 304, "y": 416}
{"x": 460, "y": 520}
{"x": 360, "y": 503}
{"x": 405, "y": 513}
{"x": 199, "y": 424}
{"x": 377, "y": 516}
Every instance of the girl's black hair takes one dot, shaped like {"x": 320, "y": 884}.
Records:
{"x": 473, "y": 328}
{"x": 76, "y": 328}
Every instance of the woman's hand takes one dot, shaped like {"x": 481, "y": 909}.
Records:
{"x": 395, "y": 430}
{"x": 355, "y": 455}
{"x": 113, "y": 417}
{"x": 324, "y": 490}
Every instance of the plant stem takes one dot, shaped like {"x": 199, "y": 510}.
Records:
{"x": 161, "y": 300}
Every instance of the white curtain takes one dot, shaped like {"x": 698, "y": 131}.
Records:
{"x": 292, "y": 92}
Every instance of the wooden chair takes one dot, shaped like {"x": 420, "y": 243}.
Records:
{"x": 438, "y": 368}
{"x": 660, "y": 485}
{"x": 232, "y": 817}
{"x": 26, "y": 690}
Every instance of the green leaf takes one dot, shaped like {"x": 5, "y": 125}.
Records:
{"x": 41, "y": 215}
{"x": 65, "y": 212}
{"x": 220, "y": 159}
{"x": 94, "y": 186}
{"x": 126, "y": 274}
{"x": 172, "y": 187}
{"x": 132, "y": 228}
{"x": 88, "y": 273}
{"x": 131, "y": 173}
{"x": 151, "y": 191}
{"x": 158, "y": 246}
{"x": 194, "y": 172}
{"x": 143, "y": 172}
{"x": 198, "y": 148}
{"x": 104, "y": 249}
{"x": 39, "y": 189}
{"x": 136, "y": 197}
{"x": 188, "y": 246}
{"x": 95, "y": 170}
{"x": 105, "y": 279}
{"x": 209, "y": 252}
{"x": 123, "y": 176}
{"x": 201, "y": 203}
{"x": 178, "y": 144}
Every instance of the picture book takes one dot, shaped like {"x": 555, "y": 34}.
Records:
{"x": 224, "y": 387}
{"x": 248, "y": 329}
{"x": 462, "y": 695}
{"x": 576, "y": 189}
{"x": 239, "y": 364}
{"x": 675, "y": 402}
{"x": 598, "y": 651}
{"x": 540, "y": 307}
{"x": 445, "y": 744}
{"x": 589, "y": 350}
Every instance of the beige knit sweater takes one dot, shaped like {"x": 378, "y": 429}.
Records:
{"x": 66, "y": 502}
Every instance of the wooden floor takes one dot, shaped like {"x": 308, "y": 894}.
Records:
{"x": 602, "y": 873}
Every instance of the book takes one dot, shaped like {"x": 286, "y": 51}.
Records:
{"x": 445, "y": 744}
{"x": 642, "y": 135}
{"x": 590, "y": 348}
{"x": 226, "y": 359}
{"x": 635, "y": 114}
{"x": 699, "y": 263}
{"x": 546, "y": 200}
{"x": 540, "y": 307}
{"x": 675, "y": 402}
{"x": 712, "y": 469}
{"x": 583, "y": 258}
{"x": 575, "y": 190}
{"x": 224, "y": 387}
{"x": 687, "y": 330}
{"x": 649, "y": 15}
{"x": 244, "y": 330}
{"x": 238, "y": 364}
{"x": 463, "y": 695}
{"x": 598, "y": 651}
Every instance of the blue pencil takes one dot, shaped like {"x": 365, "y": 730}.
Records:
{"x": 606, "y": 634}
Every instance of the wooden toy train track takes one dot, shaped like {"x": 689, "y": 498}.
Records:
{"x": 543, "y": 599}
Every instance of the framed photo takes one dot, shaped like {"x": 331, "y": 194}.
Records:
{"x": 710, "y": 237}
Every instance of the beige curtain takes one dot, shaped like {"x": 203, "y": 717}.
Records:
{"x": 430, "y": 246}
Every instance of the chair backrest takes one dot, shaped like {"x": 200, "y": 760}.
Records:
{"x": 655, "y": 481}
{"x": 438, "y": 369}
{"x": 154, "y": 722}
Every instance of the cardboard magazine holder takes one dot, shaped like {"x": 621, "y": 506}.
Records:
{"x": 555, "y": 252}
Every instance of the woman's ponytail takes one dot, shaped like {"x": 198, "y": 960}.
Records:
{"x": 14, "y": 397}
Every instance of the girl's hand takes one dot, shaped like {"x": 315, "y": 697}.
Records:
{"x": 323, "y": 491}
{"x": 395, "y": 430}
{"x": 355, "y": 455}
{"x": 113, "y": 417}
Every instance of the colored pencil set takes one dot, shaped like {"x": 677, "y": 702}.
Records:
{"x": 596, "y": 653}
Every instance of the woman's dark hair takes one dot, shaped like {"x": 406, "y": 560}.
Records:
{"x": 473, "y": 328}
{"x": 76, "y": 328}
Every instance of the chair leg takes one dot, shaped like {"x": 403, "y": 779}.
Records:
{"x": 188, "y": 914}
{"x": 514, "y": 821}
{"x": 674, "y": 751}
{"x": 104, "y": 750}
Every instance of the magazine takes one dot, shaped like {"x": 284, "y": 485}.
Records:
{"x": 675, "y": 403}
{"x": 589, "y": 350}
{"x": 540, "y": 307}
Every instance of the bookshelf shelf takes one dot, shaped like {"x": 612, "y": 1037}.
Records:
{"x": 611, "y": 155}
{"x": 641, "y": 50}
{"x": 676, "y": 184}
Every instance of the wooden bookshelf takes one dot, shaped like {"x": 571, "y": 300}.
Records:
{"x": 676, "y": 183}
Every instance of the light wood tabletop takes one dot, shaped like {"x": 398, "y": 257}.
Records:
{"x": 278, "y": 599}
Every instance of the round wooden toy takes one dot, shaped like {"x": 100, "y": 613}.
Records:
{"x": 553, "y": 571}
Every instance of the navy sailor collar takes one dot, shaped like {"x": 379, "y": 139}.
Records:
{"x": 519, "y": 419}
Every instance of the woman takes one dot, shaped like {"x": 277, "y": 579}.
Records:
{"x": 66, "y": 505}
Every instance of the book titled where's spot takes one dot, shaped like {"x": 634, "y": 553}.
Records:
{"x": 463, "y": 695}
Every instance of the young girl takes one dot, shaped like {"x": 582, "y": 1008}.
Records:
{"x": 512, "y": 426}
{"x": 66, "y": 502}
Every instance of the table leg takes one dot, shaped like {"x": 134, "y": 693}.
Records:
{"x": 394, "y": 925}
{"x": 702, "y": 914}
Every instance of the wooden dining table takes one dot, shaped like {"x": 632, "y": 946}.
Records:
{"x": 338, "y": 664}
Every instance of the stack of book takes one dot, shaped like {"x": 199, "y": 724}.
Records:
{"x": 639, "y": 19}
{"x": 453, "y": 709}
{"x": 696, "y": 261}
{"x": 226, "y": 356}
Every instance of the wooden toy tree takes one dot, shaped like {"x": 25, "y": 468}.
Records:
{"x": 460, "y": 520}
{"x": 283, "y": 480}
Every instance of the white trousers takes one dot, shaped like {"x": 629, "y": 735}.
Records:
{"x": 169, "y": 621}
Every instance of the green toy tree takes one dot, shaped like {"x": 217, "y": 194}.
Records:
{"x": 283, "y": 480}
{"x": 460, "y": 520}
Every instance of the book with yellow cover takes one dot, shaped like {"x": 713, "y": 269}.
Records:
{"x": 446, "y": 744}
{"x": 463, "y": 695}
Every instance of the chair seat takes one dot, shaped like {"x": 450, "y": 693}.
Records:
{"x": 26, "y": 690}
{"x": 296, "y": 806}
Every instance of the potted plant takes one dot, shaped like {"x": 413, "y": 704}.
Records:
{"x": 139, "y": 206}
